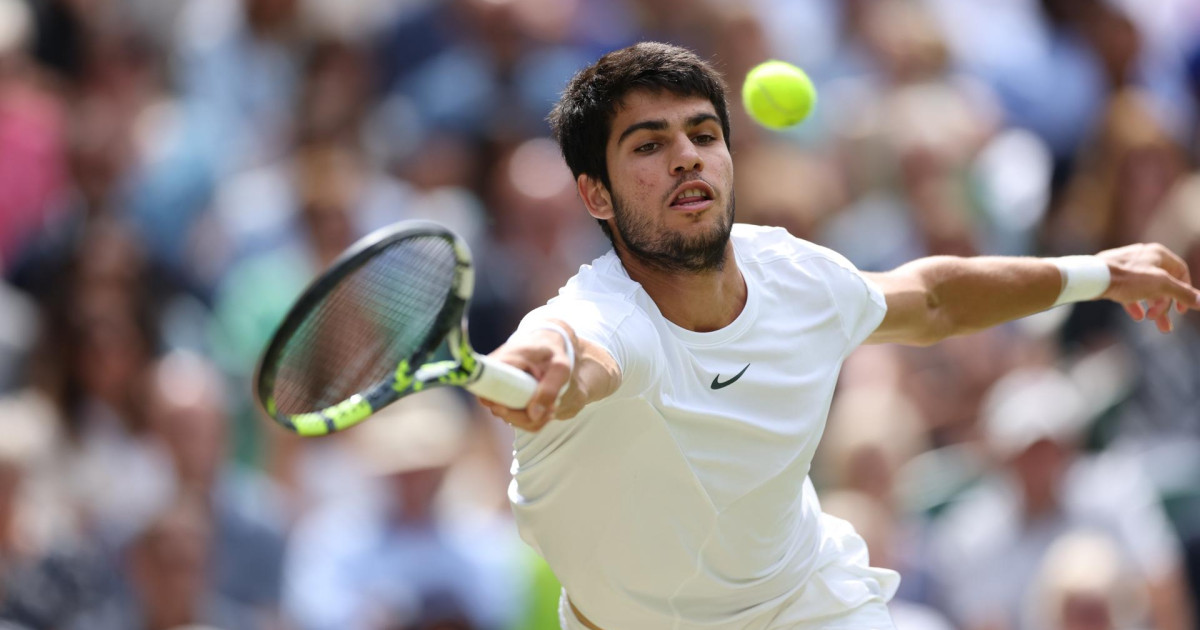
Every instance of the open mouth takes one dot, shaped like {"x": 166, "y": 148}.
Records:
{"x": 692, "y": 198}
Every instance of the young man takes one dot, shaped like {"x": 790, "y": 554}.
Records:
{"x": 699, "y": 358}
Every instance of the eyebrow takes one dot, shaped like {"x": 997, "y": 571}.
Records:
{"x": 659, "y": 125}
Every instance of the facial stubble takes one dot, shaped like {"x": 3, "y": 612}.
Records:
{"x": 670, "y": 251}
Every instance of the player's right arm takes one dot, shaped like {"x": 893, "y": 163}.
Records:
{"x": 543, "y": 353}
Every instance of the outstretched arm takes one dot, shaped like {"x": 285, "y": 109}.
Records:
{"x": 543, "y": 352}
{"x": 942, "y": 296}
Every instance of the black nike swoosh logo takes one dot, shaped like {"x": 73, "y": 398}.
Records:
{"x": 717, "y": 384}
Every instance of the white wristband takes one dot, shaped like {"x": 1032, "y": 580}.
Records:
{"x": 570, "y": 351}
{"x": 1083, "y": 278}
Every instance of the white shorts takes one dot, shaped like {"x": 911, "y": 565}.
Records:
{"x": 869, "y": 616}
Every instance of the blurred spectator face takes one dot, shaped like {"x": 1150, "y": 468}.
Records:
{"x": 169, "y": 565}
{"x": 336, "y": 92}
{"x": 1040, "y": 469}
{"x": 905, "y": 40}
{"x": 1032, "y": 418}
{"x": 329, "y": 178}
{"x": 112, "y": 348}
{"x": 496, "y": 24}
{"x": 779, "y": 185}
{"x": 1083, "y": 585}
{"x": 186, "y": 407}
{"x": 533, "y": 189}
{"x": 416, "y": 492}
{"x": 1145, "y": 177}
{"x": 99, "y": 153}
{"x": 265, "y": 16}
{"x": 109, "y": 262}
{"x": 1086, "y": 611}
{"x": 442, "y": 160}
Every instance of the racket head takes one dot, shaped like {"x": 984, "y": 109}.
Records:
{"x": 353, "y": 340}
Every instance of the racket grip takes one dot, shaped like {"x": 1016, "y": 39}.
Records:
{"x": 502, "y": 383}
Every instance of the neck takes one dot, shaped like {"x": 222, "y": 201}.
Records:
{"x": 701, "y": 301}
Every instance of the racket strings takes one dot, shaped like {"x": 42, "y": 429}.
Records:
{"x": 382, "y": 313}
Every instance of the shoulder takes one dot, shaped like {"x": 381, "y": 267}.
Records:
{"x": 601, "y": 289}
{"x": 605, "y": 306}
{"x": 604, "y": 277}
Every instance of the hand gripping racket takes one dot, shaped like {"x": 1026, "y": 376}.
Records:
{"x": 364, "y": 334}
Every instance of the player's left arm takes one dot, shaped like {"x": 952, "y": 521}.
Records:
{"x": 942, "y": 296}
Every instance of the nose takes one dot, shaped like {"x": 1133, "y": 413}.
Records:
{"x": 687, "y": 158}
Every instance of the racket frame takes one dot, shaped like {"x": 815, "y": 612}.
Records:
{"x": 412, "y": 374}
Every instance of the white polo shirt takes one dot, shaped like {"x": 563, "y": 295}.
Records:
{"x": 683, "y": 500}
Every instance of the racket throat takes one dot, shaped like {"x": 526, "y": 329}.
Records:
{"x": 444, "y": 373}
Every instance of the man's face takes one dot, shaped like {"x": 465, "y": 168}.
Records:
{"x": 671, "y": 181}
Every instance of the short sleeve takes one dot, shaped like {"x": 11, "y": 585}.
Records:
{"x": 613, "y": 323}
{"x": 859, "y": 302}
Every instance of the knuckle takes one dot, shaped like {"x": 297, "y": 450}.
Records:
{"x": 559, "y": 368}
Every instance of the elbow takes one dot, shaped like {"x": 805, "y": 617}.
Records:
{"x": 939, "y": 322}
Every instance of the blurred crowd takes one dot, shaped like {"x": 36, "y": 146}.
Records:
{"x": 173, "y": 173}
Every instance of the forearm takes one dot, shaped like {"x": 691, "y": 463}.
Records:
{"x": 942, "y": 296}
{"x": 970, "y": 294}
{"x": 596, "y": 377}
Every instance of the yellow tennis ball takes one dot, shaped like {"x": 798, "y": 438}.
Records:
{"x": 778, "y": 94}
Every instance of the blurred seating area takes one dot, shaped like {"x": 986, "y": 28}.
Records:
{"x": 174, "y": 172}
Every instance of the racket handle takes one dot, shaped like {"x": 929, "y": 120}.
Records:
{"x": 502, "y": 383}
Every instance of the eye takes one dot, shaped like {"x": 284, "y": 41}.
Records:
{"x": 704, "y": 138}
{"x": 646, "y": 148}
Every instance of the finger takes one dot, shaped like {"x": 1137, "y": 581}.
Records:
{"x": 1159, "y": 312}
{"x": 1135, "y": 310}
{"x": 1163, "y": 322}
{"x": 1158, "y": 309}
{"x": 517, "y": 418}
{"x": 1184, "y": 293}
{"x": 545, "y": 397}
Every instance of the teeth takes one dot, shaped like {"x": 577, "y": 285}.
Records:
{"x": 691, "y": 193}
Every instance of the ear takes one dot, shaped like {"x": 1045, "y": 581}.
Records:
{"x": 595, "y": 196}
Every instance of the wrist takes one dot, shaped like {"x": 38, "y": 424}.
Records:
{"x": 1083, "y": 278}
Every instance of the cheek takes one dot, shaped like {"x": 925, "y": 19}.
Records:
{"x": 635, "y": 187}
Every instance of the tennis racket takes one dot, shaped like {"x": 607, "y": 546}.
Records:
{"x": 367, "y": 332}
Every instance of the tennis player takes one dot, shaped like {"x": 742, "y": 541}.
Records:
{"x": 700, "y": 357}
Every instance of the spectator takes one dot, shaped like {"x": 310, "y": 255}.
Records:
{"x": 390, "y": 559}
{"x": 1084, "y": 585}
{"x": 187, "y": 409}
{"x": 989, "y": 546}
{"x": 166, "y": 568}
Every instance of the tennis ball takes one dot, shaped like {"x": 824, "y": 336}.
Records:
{"x": 778, "y": 94}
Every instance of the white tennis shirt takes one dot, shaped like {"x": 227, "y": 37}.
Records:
{"x": 683, "y": 500}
